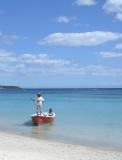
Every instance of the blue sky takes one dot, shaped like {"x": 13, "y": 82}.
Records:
{"x": 67, "y": 43}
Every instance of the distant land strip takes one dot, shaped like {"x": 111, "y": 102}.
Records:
{"x": 9, "y": 87}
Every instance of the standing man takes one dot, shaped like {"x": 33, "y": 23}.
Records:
{"x": 39, "y": 102}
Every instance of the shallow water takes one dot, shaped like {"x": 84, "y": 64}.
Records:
{"x": 91, "y": 117}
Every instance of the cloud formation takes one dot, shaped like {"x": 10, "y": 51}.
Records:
{"x": 80, "y": 39}
{"x": 35, "y": 63}
{"x": 118, "y": 46}
{"x": 64, "y": 19}
{"x": 8, "y": 39}
{"x": 99, "y": 70}
{"x": 85, "y": 2}
{"x": 110, "y": 54}
{"x": 42, "y": 64}
{"x": 114, "y": 6}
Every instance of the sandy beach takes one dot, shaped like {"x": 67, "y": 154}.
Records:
{"x": 15, "y": 147}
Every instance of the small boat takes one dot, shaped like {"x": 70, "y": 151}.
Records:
{"x": 44, "y": 117}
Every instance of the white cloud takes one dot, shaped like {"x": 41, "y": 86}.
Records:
{"x": 42, "y": 59}
{"x": 80, "y": 39}
{"x": 114, "y": 6}
{"x": 8, "y": 39}
{"x": 42, "y": 64}
{"x": 7, "y": 57}
{"x": 98, "y": 70}
{"x": 118, "y": 46}
{"x": 110, "y": 54}
{"x": 65, "y": 19}
{"x": 85, "y": 2}
{"x": 34, "y": 63}
{"x": 38, "y": 59}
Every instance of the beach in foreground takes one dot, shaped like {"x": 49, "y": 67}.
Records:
{"x": 15, "y": 147}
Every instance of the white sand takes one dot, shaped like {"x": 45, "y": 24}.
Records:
{"x": 14, "y": 147}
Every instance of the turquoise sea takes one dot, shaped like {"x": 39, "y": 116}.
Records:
{"x": 90, "y": 117}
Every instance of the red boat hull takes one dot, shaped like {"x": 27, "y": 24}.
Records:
{"x": 39, "y": 119}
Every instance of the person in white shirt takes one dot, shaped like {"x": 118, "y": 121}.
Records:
{"x": 39, "y": 102}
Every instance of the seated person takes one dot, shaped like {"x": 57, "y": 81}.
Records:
{"x": 50, "y": 113}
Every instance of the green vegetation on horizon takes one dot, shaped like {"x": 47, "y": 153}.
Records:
{"x": 9, "y": 87}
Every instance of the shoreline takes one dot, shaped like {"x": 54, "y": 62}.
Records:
{"x": 18, "y": 147}
{"x": 63, "y": 140}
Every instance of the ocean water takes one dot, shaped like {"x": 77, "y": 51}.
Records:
{"x": 89, "y": 117}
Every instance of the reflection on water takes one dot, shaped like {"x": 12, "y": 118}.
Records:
{"x": 42, "y": 131}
